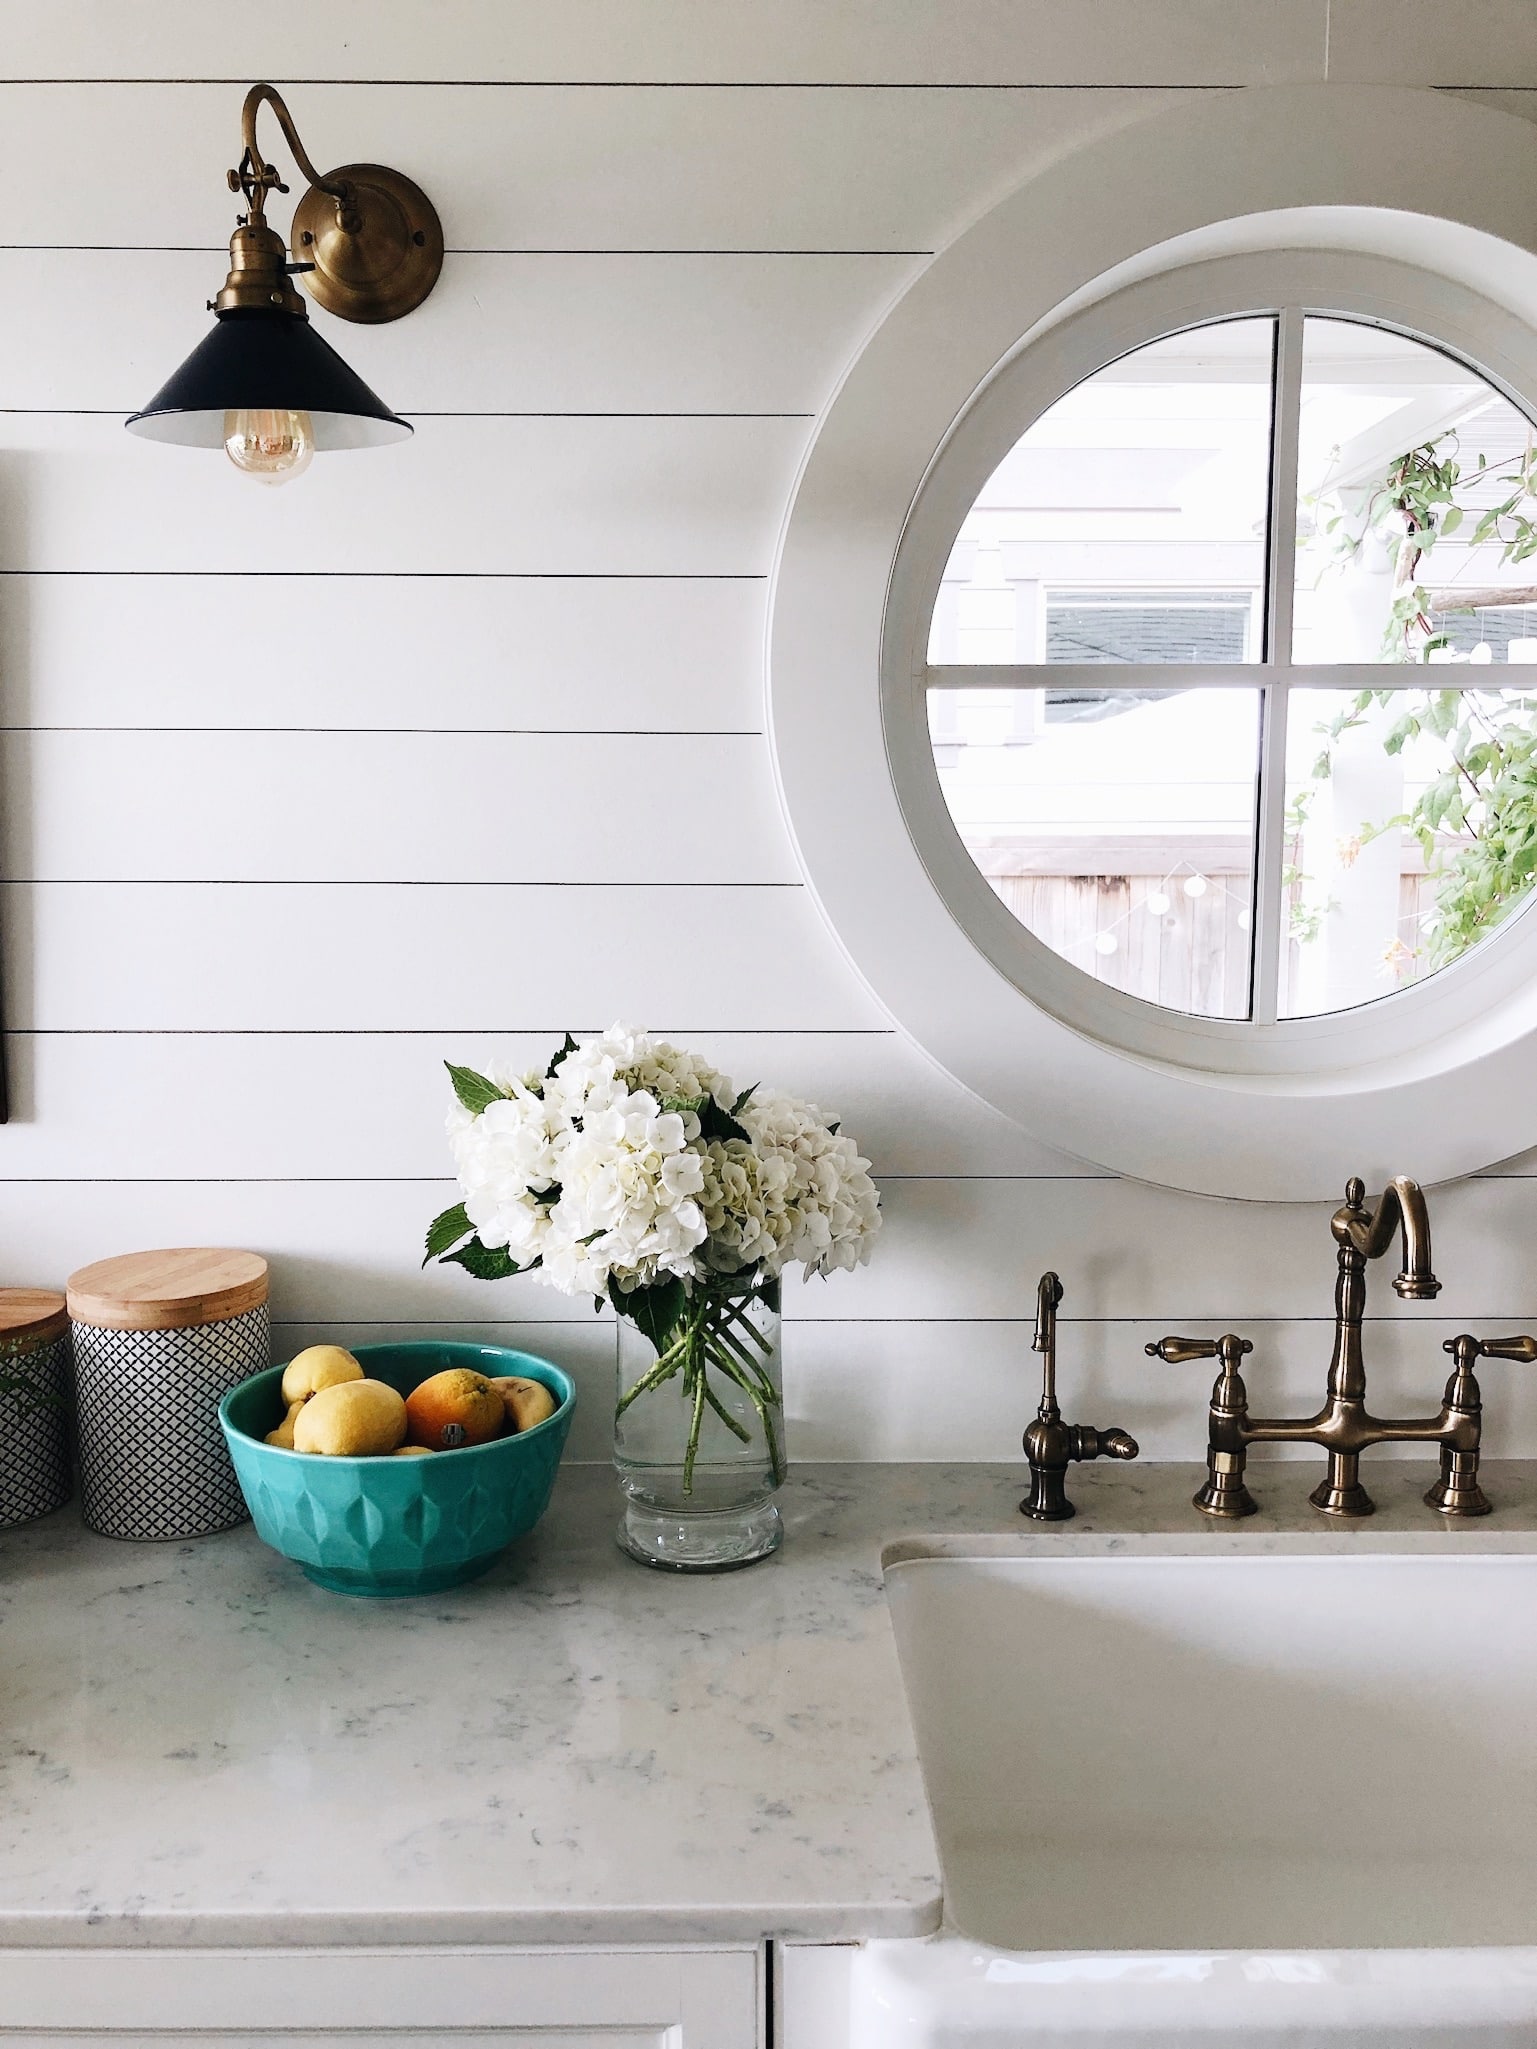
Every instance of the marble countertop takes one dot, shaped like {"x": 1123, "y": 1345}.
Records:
{"x": 197, "y": 1746}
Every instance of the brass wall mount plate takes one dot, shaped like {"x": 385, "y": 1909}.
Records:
{"x": 388, "y": 265}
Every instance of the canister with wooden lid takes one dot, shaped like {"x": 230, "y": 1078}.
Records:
{"x": 35, "y": 1405}
{"x": 159, "y": 1339}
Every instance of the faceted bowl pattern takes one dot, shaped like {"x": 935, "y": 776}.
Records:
{"x": 398, "y": 1525}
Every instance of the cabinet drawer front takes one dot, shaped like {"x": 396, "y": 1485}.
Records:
{"x": 348, "y": 1999}
{"x": 392, "y": 2038}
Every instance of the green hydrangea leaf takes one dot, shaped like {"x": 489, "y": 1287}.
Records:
{"x": 446, "y": 1230}
{"x": 655, "y": 1311}
{"x": 714, "y": 1122}
{"x": 472, "y": 1089}
{"x": 485, "y": 1262}
{"x": 569, "y": 1046}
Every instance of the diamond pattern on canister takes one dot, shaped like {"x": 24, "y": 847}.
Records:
{"x": 153, "y": 1462}
{"x": 154, "y": 1357}
{"x": 36, "y": 1464}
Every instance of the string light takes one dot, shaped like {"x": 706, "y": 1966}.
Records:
{"x": 1159, "y": 904}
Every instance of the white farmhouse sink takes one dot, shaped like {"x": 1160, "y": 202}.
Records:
{"x": 1292, "y": 1798}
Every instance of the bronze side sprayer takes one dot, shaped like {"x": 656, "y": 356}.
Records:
{"x": 1050, "y": 1444}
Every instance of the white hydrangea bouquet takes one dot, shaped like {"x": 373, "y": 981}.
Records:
{"x": 635, "y": 1172}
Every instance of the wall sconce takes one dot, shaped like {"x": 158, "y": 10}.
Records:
{"x": 263, "y": 386}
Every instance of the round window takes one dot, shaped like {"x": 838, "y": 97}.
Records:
{"x": 1226, "y": 683}
{"x": 1150, "y": 647}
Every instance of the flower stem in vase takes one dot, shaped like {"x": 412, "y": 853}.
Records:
{"x": 698, "y": 1446}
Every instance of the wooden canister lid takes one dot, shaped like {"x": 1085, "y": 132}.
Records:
{"x": 173, "y": 1290}
{"x": 34, "y": 1316}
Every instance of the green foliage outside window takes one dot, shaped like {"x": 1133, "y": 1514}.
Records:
{"x": 1476, "y": 823}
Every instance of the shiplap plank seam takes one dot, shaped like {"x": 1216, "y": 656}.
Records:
{"x": 410, "y": 1181}
{"x": 467, "y": 249}
{"x": 352, "y": 882}
{"x": 887, "y": 1180}
{"x": 433, "y": 1032}
{"x": 435, "y": 732}
{"x": 446, "y": 1180}
{"x": 432, "y": 575}
{"x": 753, "y": 85}
{"x": 418, "y": 413}
{"x": 605, "y": 1315}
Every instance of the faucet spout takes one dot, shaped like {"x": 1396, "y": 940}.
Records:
{"x": 1401, "y": 1208}
{"x": 1047, "y": 1297}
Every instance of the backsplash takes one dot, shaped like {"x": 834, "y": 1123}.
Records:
{"x": 450, "y": 747}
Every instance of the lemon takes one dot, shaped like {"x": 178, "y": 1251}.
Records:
{"x": 320, "y": 1366}
{"x": 351, "y": 1419}
{"x": 527, "y": 1402}
{"x": 283, "y": 1436}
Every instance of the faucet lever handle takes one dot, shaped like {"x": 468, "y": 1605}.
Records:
{"x": 1466, "y": 1346}
{"x": 1175, "y": 1351}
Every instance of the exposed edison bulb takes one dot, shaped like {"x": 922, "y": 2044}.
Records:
{"x": 270, "y": 446}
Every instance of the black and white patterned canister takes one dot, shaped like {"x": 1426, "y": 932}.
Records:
{"x": 36, "y": 1468}
{"x": 159, "y": 1339}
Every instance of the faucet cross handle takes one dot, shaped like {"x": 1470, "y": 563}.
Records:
{"x": 1456, "y": 1491}
{"x": 1229, "y": 1396}
{"x": 1225, "y": 1493}
{"x": 1466, "y": 1348}
{"x": 1175, "y": 1351}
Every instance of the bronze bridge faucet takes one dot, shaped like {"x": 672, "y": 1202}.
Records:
{"x": 1344, "y": 1426}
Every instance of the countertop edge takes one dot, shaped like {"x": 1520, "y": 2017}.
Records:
{"x": 639, "y": 1927}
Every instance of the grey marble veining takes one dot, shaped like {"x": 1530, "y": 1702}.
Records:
{"x": 197, "y": 1746}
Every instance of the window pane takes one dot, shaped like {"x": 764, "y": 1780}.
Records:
{"x": 1129, "y": 523}
{"x": 1414, "y": 504}
{"x": 1411, "y": 835}
{"x": 1117, "y": 827}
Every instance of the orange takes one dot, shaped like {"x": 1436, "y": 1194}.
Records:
{"x": 455, "y": 1408}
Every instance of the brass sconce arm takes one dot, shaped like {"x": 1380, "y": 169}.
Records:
{"x": 366, "y": 238}
{"x": 256, "y": 177}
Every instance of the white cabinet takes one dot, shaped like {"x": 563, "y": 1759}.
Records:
{"x": 811, "y": 1994}
{"x": 476, "y": 1998}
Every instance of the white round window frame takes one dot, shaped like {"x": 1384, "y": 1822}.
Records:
{"x": 1376, "y": 291}
{"x": 1439, "y": 1080}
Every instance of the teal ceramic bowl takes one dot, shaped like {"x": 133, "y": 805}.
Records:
{"x": 398, "y": 1525}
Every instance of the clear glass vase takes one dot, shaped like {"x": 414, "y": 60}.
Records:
{"x": 699, "y": 1434}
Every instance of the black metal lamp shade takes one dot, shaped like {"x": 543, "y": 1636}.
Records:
{"x": 252, "y": 359}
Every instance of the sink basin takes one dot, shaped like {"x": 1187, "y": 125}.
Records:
{"x": 1289, "y": 1797}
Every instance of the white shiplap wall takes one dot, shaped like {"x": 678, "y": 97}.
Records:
{"x": 497, "y": 766}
